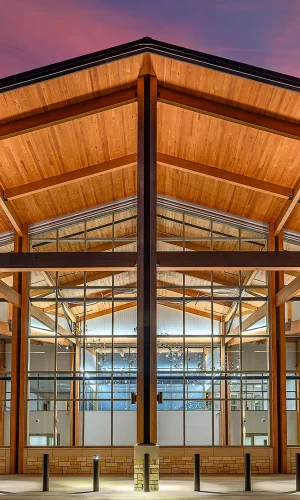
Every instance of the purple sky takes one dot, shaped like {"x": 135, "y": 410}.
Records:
{"x": 35, "y": 33}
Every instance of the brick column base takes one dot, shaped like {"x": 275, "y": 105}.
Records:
{"x": 139, "y": 451}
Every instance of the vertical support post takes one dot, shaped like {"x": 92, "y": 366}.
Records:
{"x": 298, "y": 391}
{"x": 2, "y": 391}
{"x": 273, "y": 356}
{"x": 23, "y": 411}
{"x": 297, "y": 471}
{"x": 247, "y": 472}
{"x": 96, "y": 471}
{"x": 146, "y": 261}
{"x": 18, "y": 417}
{"x": 197, "y": 472}
{"x": 225, "y": 400}
{"x": 46, "y": 472}
{"x": 146, "y": 472}
{"x": 281, "y": 367}
{"x": 15, "y": 366}
{"x": 74, "y": 408}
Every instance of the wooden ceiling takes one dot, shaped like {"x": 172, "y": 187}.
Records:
{"x": 98, "y": 137}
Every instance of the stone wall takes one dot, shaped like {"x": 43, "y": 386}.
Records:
{"x": 291, "y": 460}
{"x": 215, "y": 460}
{"x": 118, "y": 461}
{"x": 172, "y": 460}
{"x": 4, "y": 460}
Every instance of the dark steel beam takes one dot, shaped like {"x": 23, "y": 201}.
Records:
{"x": 76, "y": 261}
{"x": 220, "y": 261}
{"x": 173, "y": 261}
{"x": 146, "y": 261}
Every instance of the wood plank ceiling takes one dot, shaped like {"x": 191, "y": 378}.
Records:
{"x": 182, "y": 133}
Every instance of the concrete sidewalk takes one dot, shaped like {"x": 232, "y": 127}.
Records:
{"x": 116, "y": 488}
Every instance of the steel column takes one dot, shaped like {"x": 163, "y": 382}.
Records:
{"x": 146, "y": 260}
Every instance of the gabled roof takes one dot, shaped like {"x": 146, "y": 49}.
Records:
{"x": 229, "y": 142}
{"x": 142, "y": 46}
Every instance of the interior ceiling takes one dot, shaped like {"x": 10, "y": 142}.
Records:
{"x": 182, "y": 133}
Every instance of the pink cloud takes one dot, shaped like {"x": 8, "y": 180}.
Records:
{"x": 39, "y": 32}
{"x": 46, "y": 32}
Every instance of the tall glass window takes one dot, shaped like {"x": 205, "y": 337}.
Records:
{"x": 213, "y": 339}
{"x": 292, "y": 335}
{"x": 82, "y": 341}
{"x": 5, "y": 353}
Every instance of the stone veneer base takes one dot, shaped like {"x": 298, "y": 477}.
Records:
{"x": 138, "y": 464}
{"x": 172, "y": 460}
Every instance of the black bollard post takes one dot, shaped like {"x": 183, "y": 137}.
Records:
{"x": 247, "y": 472}
{"x": 197, "y": 472}
{"x": 297, "y": 471}
{"x": 96, "y": 470}
{"x": 146, "y": 472}
{"x": 46, "y": 472}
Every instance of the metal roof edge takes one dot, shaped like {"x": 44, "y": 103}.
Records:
{"x": 144, "y": 45}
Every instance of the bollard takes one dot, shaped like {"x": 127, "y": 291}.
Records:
{"x": 96, "y": 470}
{"x": 197, "y": 472}
{"x": 297, "y": 471}
{"x": 247, "y": 472}
{"x": 146, "y": 472}
{"x": 46, "y": 472}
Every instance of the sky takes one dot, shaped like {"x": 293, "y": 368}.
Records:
{"x": 35, "y": 33}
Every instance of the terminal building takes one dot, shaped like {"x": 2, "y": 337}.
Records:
{"x": 149, "y": 264}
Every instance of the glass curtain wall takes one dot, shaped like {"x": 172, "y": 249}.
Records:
{"x": 292, "y": 335}
{"x": 5, "y": 354}
{"x": 213, "y": 340}
{"x": 82, "y": 341}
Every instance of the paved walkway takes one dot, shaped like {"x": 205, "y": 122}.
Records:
{"x": 111, "y": 488}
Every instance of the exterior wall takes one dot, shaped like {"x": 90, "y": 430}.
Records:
{"x": 215, "y": 460}
{"x": 4, "y": 460}
{"x": 118, "y": 461}
{"x": 291, "y": 459}
{"x": 172, "y": 460}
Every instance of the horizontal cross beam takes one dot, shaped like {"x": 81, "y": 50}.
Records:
{"x": 230, "y": 113}
{"x": 176, "y": 261}
{"x": 65, "y": 113}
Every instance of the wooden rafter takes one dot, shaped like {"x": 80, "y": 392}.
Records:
{"x": 10, "y": 213}
{"x": 43, "y": 318}
{"x": 129, "y": 305}
{"x": 288, "y": 292}
{"x": 5, "y": 329}
{"x": 288, "y": 208}
{"x": 66, "y": 113}
{"x": 109, "y": 310}
{"x": 190, "y": 310}
{"x": 69, "y": 177}
{"x": 9, "y": 294}
{"x": 230, "y": 113}
{"x": 192, "y": 292}
{"x": 259, "y": 314}
{"x": 224, "y": 176}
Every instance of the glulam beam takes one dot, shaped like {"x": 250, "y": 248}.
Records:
{"x": 222, "y": 175}
{"x": 288, "y": 208}
{"x": 65, "y": 113}
{"x": 229, "y": 113}
{"x": 67, "y": 178}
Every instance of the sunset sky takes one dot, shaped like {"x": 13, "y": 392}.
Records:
{"x": 35, "y": 33}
